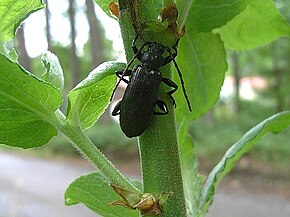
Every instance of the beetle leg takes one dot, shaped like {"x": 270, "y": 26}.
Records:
{"x": 162, "y": 106}
{"x": 127, "y": 72}
{"x": 168, "y": 59}
{"x": 138, "y": 52}
{"x": 117, "y": 108}
{"x": 171, "y": 55}
{"x": 120, "y": 74}
{"x": 170, "y": 83}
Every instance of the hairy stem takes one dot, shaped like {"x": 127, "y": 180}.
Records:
{"x": 90, "y": 152}
{"x": 158, "y": 145}
{"x": 161, "y": 170}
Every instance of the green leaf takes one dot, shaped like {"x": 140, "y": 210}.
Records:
{"x": 94, "y": 191}
{"x": 89, "y": 99}
{"x": 104, "y": 4}
{"x": 153, "y": 8}
{"x": 259, "y": 24}
{"x": 273, "y": 124}
{"x": 27, "y": 107}
{"x": 206, "y": 15}
{"x": 54, "y": 73}
{"x": 202, "y": 60}
{"x": 7, "y": 49}
{"x": 192, "y": 181}
{"x": 12, "y": 13}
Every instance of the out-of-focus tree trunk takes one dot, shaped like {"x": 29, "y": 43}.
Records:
{"x": 74, "y": 63}
{"x": 237, "y": 80}
{"x": 23, "y": 57}
{"x": 277, "y": 73}
{"x": 277, "y": 89}
{"x": 95, "y": 33}
{"x": 47, "y": 27}
{"x": 287, "y": 101}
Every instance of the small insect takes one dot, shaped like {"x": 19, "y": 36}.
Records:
{"x": 140, "y": 99}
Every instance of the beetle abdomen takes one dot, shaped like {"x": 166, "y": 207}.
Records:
{"x": 139, "y": 100}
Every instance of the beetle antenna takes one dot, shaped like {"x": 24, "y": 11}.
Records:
{"x": 174, "y": 47}
{"x": 127, "y": 67}
{"x": 182, "y": 84}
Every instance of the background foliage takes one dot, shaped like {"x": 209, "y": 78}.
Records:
{"x": 202, "y": 58}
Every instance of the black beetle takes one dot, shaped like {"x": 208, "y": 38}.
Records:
{"x": 136, "y": 109}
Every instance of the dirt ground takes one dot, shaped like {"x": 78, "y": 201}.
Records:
{"x": 33, "y": 187}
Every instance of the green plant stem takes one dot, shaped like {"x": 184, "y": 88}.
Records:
{"x": 87, "y": 148}
{"x": 158, "y": 145}
{"x": 160, "y": 161}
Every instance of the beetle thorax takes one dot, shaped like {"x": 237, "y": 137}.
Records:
{"x": 153, "y": 55}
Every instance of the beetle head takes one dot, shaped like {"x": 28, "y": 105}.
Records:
{"x": 156, "y": 47}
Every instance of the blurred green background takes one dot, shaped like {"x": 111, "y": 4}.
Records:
{"x": 256, "y": 86}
